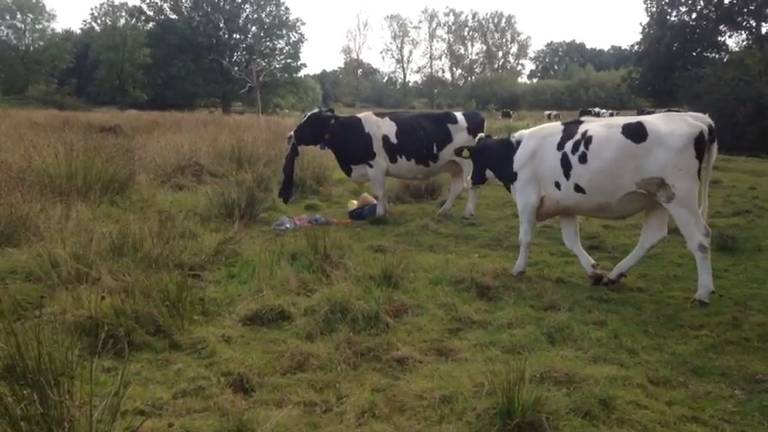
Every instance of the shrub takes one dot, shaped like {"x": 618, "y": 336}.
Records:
{"x": 240, "y": 199}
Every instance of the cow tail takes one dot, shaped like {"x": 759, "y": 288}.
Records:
{"x": 706, "y": 175}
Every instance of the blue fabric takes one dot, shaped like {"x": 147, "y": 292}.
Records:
{"x": 363, "y": 213}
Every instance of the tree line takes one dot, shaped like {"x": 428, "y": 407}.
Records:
{"x": 707, "y": 55}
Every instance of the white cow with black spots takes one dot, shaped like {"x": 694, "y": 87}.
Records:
{"x": 609, "y": 168}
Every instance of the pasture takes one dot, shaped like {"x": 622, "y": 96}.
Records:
{"x": 138, "y": 246}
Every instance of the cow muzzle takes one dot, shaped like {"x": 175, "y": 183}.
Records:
{"x": 290, "y": 139}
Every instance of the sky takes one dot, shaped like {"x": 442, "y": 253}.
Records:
{"x": 598, "y": 23}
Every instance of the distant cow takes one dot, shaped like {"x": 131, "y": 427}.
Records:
{"x": 406, "y": 145}
{"x": 609, "y": 168}
{"x": 507, "y": 114}
{"x": 645, "y": 111}
{"x": 596, "y": 112}
{"x": 552, "y": 115}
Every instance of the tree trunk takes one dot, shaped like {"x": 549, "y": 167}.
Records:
{"x": 226, "y": 103}
{"x": 257, "y": 89}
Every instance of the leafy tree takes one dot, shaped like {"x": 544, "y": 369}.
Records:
{"x": 118, "y": 48}
{"x": 748, "y": 19}
{"x": 461, "y": 32}
{"x": 25, "y": 29}
{"x": 400, "y": 46}
{"x": 503, "y": 46}
{"x": 560, "y": 60}
{"x": 249, "y": 41}
{"x": 680, "y": 36}
{"x": 273, "y": 46}
{"x": 178, "y": 72}
{"x": 429, "y": 23}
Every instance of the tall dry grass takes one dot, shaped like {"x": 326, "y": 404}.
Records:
{"x": 87, "y": 213}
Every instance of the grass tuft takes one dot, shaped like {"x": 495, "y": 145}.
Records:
{"x": 46, "y": 387}
{"x": 518, "y": 406}
{"x": 267, "y": 316}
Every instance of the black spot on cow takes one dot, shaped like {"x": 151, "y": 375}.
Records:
{"x": 495, "y": 155}
{"x": 576, "y": 146}
{"x": 558, "y": 186}
{"x": 578, "y": 189}
{"x": 587, "y": 141}
{"x": 475, "y": 123}
{"x": 700, "y": 147}
{"x": 350, "y": 143}
{"x": 583, "y": 158}
{"x": 635, "y": 132}
{"x": 565, "y": 164}
{"x": 711, "y": 134}
{"x": 570, "y": 129}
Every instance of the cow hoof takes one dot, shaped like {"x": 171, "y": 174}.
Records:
{"x": 468, "y": 216}
{"x": 518, "y": 274}
{"x": 699, "y": 302}
{"x": 609, "y": 281}
{"x": 596, "y": 277}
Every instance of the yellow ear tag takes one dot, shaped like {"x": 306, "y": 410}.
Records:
{"x": 465, "y": 153}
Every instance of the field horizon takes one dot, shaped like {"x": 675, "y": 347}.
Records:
{"x": 139, "y": 270}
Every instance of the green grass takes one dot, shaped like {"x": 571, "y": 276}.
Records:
{"x": 411, "y": 323}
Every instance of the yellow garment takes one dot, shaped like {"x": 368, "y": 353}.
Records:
{"x": 351, "y": 205}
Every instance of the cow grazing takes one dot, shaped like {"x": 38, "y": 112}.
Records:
{"x": 597, "y": 112}
{"x": 506, "y": 114}
{"x": 609, "y": 168}
{"x": 552, "y": 115}
{"x": 405, "y": 145}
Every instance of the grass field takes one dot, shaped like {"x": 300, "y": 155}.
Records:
{"x": 139, "y": 274}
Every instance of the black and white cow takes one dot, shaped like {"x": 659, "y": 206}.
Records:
{"x": 597, "y": 112}
{"x": 552, "y": 115}
{"x": 609, "y": 168}
{"x": 406, "y": 145}
{"x": 645, "y": 111}
{"x": 506, "y": 114}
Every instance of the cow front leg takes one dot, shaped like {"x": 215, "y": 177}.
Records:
{"x": 527, "y": 214}
{"x": 654, "y": 230}
{"x": 378, "y": 183}
{"x": 569, "y": 226}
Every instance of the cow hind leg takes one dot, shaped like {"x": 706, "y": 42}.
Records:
{"x": 697, "y": 235}
{"x": 457, "y": 184}
{"x": 569, "y": 225}
{"x": 653, "y": 231}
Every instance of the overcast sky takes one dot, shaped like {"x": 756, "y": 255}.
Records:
{"x": 598, "y": 23}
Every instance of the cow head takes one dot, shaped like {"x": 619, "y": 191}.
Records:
{"x": 496, "y": 155}
{"x": 311, "y": 131}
